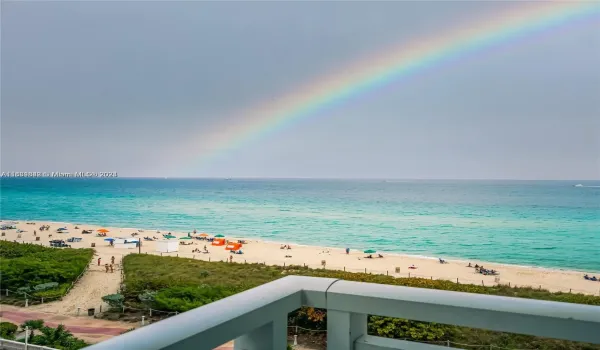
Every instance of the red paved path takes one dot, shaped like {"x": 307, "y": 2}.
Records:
{"x": 17, "y": 316}
{"x": 20, "y": 317}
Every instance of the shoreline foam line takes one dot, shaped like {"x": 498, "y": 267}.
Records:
{"x": 380, "y": 70}
{"x": 148, "y": 231}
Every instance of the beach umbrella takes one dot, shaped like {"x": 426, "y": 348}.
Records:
{"x": 219, "y": 236}
{"x": 370, "y": 251}
{"x": 185, "y": 238}
{"x": 103, "y": 230}
{"x": 169, "y": 236}
{"x": 204, "y": 235}
{"x": 109, "y": 239}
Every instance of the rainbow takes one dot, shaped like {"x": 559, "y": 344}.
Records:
{"x": 383, "y": 68}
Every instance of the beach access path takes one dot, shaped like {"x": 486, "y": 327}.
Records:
{"x": 88, "y": 291}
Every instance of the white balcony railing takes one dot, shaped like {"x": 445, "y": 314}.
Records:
{"x": 257, "y": 318}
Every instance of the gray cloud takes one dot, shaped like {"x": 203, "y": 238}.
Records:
{"x": 119, "y": 85}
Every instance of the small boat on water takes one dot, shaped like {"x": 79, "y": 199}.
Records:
{"x": 579, "y": 185}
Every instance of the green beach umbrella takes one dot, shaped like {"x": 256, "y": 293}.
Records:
{"x": 219, "y": 236}
{"x": 185, "y": 238}
{"x": 169, "y": 236}
{"x": 370, "y": 251}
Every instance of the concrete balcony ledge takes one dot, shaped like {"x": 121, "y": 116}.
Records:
{"x": 257, "y": 318}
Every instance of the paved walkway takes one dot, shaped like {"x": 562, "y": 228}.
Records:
{"x": 74, "y": 324}
{"x": 89, "y": 329}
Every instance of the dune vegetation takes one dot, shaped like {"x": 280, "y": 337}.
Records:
{"x": 180, "y": 284}
{"x": 38, "y": 271}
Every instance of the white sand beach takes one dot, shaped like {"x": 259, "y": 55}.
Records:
{"x": 270, "y": 253}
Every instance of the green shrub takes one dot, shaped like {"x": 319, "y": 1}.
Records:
{"x": 24, "y": 290}
{"x": 33, "y": 324}
{"x": 114, "y": 300}
{"x": 59, "y": 338}
{"x": 182, "y": 299}
{"x": 58, "y": 292}
{"x": 399, "y": 328}
{"x": 45, "y": 286}
{"x": 147, "y": 297}
{"x": 8, "y": 330}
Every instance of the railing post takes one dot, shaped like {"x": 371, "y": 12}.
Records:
{"x": 272, "y": 335}
{"x": 343, "y": 328}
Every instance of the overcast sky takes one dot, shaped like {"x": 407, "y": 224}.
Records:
{"x": 118, "y": 86}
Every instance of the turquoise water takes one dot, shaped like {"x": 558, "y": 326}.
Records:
{"x": 547, "y": 223}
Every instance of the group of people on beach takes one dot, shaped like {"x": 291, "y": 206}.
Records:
{"x": 197, "y": 250}
{"x": 107, "y": 266}
{"x": 593, "y": 278}
{"x": 482, "y": 270}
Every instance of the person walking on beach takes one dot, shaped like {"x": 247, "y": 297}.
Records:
{"x": 99, "y": 260}
{"x": 106, "y": 267}
{"x": 111, "y": 268}
{"x": 112, "y": 260}
{"x": 231, "y": 258}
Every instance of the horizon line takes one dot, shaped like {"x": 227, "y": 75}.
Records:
{"x": 301, "y": 178}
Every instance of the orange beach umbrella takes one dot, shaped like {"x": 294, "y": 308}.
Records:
{"x": 103, "y": 230}
{"x": 203, "y": 235}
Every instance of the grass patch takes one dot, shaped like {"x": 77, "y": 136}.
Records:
{"x": 27, "y": 266}
{"x": 181, "y": 284}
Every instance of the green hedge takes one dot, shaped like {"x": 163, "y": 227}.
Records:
{"x": 180, "y": 284}
{"x": 8, "y": 330}
{"x": 26, "y": 267}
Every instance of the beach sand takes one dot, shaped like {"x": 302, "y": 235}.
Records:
{"x": 270, "y": 253}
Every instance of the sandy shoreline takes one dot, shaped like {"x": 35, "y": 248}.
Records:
{"x": 256, "y": 251}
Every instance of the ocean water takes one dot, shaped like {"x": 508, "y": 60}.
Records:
{"x": 534, "y": 223}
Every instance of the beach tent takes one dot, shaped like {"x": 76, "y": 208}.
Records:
{"x": 126, "y": 243}
{"x": 218, "y": 241}
{"x": 167, "y": 246}
{"x": 233, "y": 246}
